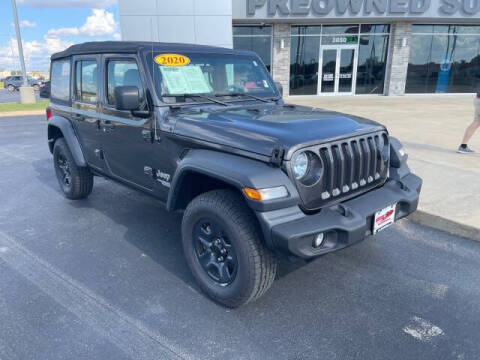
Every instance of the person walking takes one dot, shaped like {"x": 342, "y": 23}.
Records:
{"x": 463, "y": 148}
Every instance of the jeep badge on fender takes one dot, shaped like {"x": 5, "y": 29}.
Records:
{"x": 205, "y": 131}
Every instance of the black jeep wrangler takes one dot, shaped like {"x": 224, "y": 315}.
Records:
{"x": 205, "y": 130}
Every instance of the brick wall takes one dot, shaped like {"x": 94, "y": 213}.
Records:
{"x": 281, "y": 56}
{"x": 398, "y": 55}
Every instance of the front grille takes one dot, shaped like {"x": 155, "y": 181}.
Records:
{"x": 349, "y": 167}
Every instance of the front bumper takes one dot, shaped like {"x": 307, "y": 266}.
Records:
{"x": 344, "y": 224}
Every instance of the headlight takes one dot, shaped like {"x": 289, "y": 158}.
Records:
{"x": 300, "y": 165}
{"x": 398, "y": 155}
{"x": 307, "y": 168}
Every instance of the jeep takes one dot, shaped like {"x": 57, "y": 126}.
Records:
{"x": 205, "y": 131}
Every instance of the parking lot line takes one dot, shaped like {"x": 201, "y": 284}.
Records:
{"x": 128, "y": 334}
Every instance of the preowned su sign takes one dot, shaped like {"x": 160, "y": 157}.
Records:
{"x": 400, "y": 8}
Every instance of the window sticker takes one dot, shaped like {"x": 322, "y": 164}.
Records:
{"x": 229, "y": 71}
{"x": 185, "y": 80}
{"x": 173, "y": 60}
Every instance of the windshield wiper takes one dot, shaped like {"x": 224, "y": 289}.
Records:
{"x": 244, "y": 94}
{"x": 200, "y": 96}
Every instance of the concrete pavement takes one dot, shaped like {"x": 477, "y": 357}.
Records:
{"x": 431, "y": 128}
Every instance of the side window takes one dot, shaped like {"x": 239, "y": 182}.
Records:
{"x": 86, "y": 87}
{"x": 60, "y": 80}
{"x": 123, "y": 73}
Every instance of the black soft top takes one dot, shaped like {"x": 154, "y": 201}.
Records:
{"x": 100, "y": 47}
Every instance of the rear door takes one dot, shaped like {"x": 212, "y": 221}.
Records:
{"x": 86, "y": 93}
{"x": 128, "y": 149}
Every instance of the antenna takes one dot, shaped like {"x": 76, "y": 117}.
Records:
{"x": 154, "y": 84}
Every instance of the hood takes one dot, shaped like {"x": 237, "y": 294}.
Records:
{"x": 261, "y": 128}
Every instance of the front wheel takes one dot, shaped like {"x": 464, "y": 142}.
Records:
{"x": 11, "y": 88}
{"x": 224, "y": 249}
{"x": 76, "y": 182}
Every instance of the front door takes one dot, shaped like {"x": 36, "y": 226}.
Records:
{"x": 338, "y": 68}
{"x": 128, "y": 151}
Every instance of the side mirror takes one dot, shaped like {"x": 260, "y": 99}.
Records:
{"x": 127, "y": 98}
{"x": 279, "y": 88}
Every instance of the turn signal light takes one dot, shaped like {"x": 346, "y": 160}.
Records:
{"x": 266, "y": 194}
{"x": 253, "y": 194}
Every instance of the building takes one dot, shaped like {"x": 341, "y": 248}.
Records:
{"x": 331, "y": 47}
{"x": 4, "y": 73}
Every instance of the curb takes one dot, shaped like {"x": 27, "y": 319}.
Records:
{"x": 22, "y": 113}
{"x": 440, "y": 223}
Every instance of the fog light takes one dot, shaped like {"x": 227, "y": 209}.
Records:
{"x": 318, "y": 241}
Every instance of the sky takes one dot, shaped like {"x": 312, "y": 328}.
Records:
{"x": 49, "y": 26}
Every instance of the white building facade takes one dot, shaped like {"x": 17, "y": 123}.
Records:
{"x": 330, "y": 47}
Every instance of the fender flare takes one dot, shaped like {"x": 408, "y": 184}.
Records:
{"x": 66, "y": 128}
{"x": 237, "y": 171}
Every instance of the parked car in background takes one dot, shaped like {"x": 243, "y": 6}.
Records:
{"x": 12, "y": 83}
{"x": 45, "y": 89}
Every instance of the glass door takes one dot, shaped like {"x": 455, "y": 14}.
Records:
{"x": 329, "y": 70}
{"x": 338, "y": 70}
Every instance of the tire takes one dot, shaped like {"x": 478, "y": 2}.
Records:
{"x": 222, "y": 220}
{"x": 76, "y": 182}
{"x": 11, "y": 88}
{"x": 36, "y": 87}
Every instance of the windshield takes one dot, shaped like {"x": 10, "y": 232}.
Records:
{"x": 176, "y": 76}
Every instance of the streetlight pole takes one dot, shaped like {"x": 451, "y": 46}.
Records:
{"x": 19, "y": 41}
{"x": 27, "y": 94}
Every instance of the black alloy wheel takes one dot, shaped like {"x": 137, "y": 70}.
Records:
{"x": 224, "y": 248}
{"x": 214, "y": 251}
{"x": 76, "y": 182}
{"x": 63, "y": 167}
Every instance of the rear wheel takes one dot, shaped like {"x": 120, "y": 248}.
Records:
{"x": 76, "y": 182}
{"x": 224, "y": 249}
{"x": 36, "y": 87}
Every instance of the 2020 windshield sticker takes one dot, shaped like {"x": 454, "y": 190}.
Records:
{"x": 185, "y": 80}
{"x": 172, "y": 60}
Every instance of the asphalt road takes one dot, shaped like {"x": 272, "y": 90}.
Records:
{"x": 105, "y": 278}
{"x": 13, "y": 96}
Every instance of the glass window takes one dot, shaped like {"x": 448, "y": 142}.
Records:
{"x": 123, "y": 73}
{"x": 443, "y": 63}
{"x": 422, "y": 29}
{"x": 375, "y": 29}
{"x": 217, "y": 75}
{"x": 260, "y": 45}
{"x": 339, "y": 29}
{"x": 306, "y": 30}
{"x": 60, "y": 80}
{"x": 255, "y": 38}
{"x": 446, "y": 29}
{"x": 252, "y": 30}
{"x": 86, "y": 81}
{"x": 304, "y": 57}
{"x": 372, "y": 60}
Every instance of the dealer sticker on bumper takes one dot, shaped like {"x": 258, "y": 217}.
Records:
{"x": 384, "y": 218}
